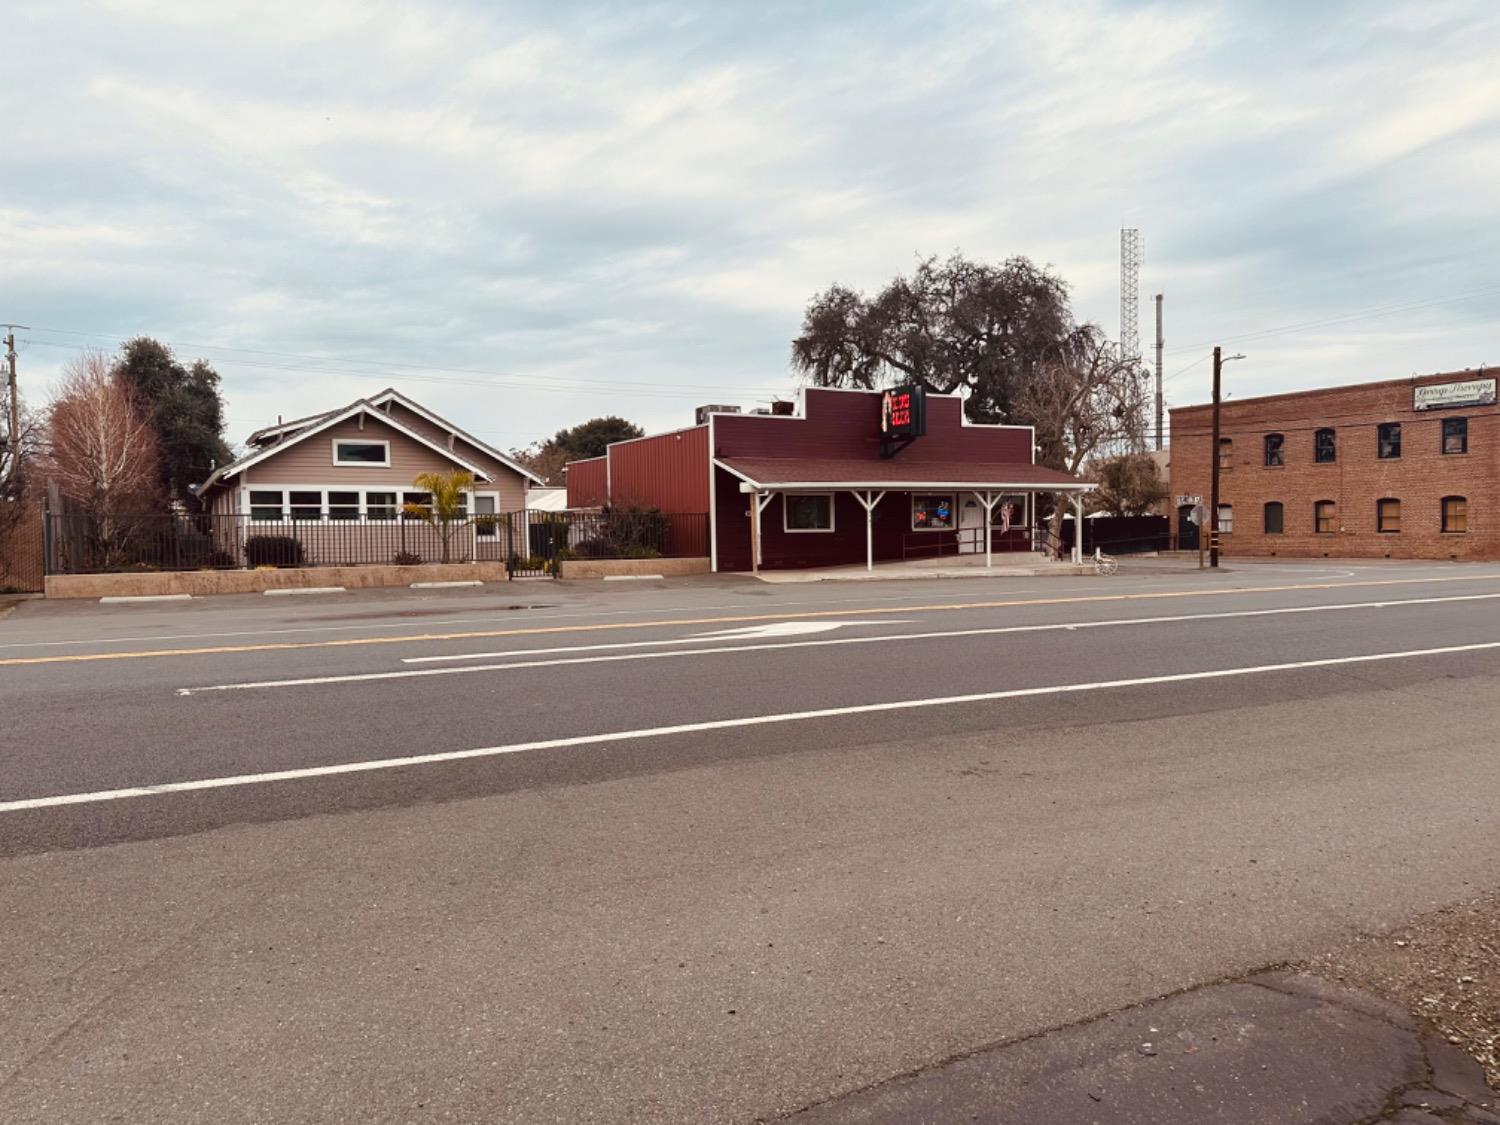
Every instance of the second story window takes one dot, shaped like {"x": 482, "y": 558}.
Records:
{"x": 1226, "y": 454}
{"x": 1325, "y": 448}
{"x": 1455, "y": 435}
{"x": 1275, "y": 449}
{"x": 1390, "y": 441}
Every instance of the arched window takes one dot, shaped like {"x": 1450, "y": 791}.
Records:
{"x": 1325, "y": 517}
{"x": 1455, "y": 514}
{"x": 1325, "y": 447}
{"x": 1388, "y": 515}
{"x": 1275, "y": 518}
{"x": 1275, "y": 449}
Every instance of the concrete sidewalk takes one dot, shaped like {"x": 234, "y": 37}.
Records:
{"x": 1027, "y": 565}
{"x": 1272, "y": 1049}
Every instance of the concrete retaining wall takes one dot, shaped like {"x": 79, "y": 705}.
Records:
{"x": 205, "y": 582}
{"x": 615, "y": 568}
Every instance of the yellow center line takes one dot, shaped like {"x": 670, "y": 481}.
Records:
{"x": 422, "y": 638}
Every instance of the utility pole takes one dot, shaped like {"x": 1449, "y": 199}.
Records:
{"x": 1213, "y": 452}
{"x": 13, "y": 410}
{"x": 1213, "y": 515}
{"x": 1159, "y": 343}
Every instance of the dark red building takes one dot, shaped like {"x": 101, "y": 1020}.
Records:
{"x": 849, "y": 477}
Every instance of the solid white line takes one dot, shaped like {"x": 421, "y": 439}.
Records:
{"x": 1064, "y": 626}
{"x": 882, "y": 638}
{"x": 127, "y": 599}
{"x": 445, "y": 585}
{"x": 305, "y": 590}
{"x": 711, "y": 725}
{"x": 631, "y": 577}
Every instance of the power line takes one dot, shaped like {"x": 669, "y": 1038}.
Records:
{"x": 691, "y": 392}
{"x": 543, "y": 381}
{"x": 1343, "y": 318}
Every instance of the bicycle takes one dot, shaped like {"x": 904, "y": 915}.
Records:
{"x": 1105, "y": 564}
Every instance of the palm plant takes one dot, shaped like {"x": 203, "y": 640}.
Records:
{"x": 448, "y": 492}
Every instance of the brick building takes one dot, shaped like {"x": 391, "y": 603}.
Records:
{"x": 1405, "y": 468}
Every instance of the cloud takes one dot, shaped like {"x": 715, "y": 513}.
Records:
{"x": 529, "y": 213}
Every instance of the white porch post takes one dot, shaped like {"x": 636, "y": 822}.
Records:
{"x": 1078, "y": 528}
{"x": 867, "y": 500}
{"x": 755, "y": 533}
{"x": 758, "y": 502}
{"x": 988, "y": 499}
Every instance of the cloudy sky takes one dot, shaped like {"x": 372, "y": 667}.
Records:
{"x": 526, "y": 214}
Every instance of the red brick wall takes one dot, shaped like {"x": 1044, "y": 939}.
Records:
{"x": 1420, "y": 478}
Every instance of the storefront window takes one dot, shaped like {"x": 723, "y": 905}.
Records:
{"x": 932, "y": 513}
{"x": 1017, "y": 518}
{"x": 809, "y": 513}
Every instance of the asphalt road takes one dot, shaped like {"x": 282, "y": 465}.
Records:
{"x": 708, "y": 851}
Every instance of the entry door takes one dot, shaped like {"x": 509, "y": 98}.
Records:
{"x": 971, "y": 527}
{"x": 1187, "y": 530}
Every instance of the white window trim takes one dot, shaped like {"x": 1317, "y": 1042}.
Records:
{"x": 396, "y": 490}
{"x": 386, "y": 445}
{"x": 474, "y": 498}
{"x": 953, "y": 506}
{"x": 832, "y": 515}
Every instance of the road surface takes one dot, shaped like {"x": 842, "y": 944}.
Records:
{"x": 712, "y": 851}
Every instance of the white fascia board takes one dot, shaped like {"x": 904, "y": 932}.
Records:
{"x": 416, "y": 408}
{"x": 360, "y": 407}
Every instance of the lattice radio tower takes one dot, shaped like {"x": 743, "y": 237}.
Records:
{"x": 1130, "y": 272}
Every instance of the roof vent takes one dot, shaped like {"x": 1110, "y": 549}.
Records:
{"x": 783, "y": 408}
{"x": 702, "y": 413}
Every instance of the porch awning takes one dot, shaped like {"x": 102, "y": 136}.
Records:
{"x": 786, "y": 473}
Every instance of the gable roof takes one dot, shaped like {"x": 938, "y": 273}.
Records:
{"x": 323, "y": 422}
{"x": 390, "y": 394}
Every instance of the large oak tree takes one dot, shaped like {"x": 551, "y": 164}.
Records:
{"x": 953, "y": 325}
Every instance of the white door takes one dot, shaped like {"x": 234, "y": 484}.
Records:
{"x": 971, "y": 527}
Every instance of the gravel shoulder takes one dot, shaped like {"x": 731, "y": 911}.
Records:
{"x": 1443, "y": 966}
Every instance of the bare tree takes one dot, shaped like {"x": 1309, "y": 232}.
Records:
{"x": 1085, "y": 403}
{"x": 103, "y": 453}
{"x": 18, "y": 445}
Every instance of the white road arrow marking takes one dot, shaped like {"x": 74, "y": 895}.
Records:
{"x": 789, "y": 629}
{"x": 776, "y": 629}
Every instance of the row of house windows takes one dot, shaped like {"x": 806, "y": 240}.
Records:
{"x": 1455, "y": 439}
{"x": 1453, "y": 513}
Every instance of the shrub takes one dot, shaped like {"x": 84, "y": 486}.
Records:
{"x": 406, "y": 558}
{"x": 273, "y": 550}
{"x": 221, "y": 560}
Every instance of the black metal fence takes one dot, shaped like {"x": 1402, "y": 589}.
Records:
{"x": 528, "y": 543}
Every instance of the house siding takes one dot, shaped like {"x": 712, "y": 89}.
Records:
{"x": 510, "y": 484}
{"x": 310, "y": 461}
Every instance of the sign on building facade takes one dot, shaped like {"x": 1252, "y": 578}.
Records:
{"x": 1445, "y": 396}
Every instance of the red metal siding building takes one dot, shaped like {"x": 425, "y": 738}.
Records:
{"x": 815, "y": 488}
{"x": 588, "y": 483}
